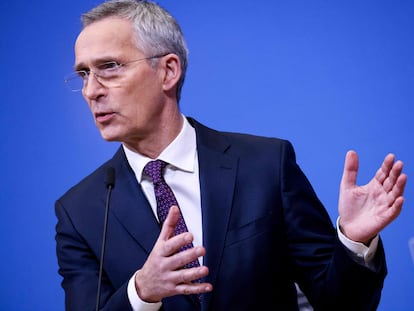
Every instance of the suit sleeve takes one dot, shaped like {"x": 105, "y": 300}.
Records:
{"x": 324, "y": 269}
{"x": 79, "y": 268}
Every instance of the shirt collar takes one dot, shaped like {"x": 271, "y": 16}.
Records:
{"x": 180, "y": 153}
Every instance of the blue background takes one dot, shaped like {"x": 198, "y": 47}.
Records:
{"x": 328, "y": 75}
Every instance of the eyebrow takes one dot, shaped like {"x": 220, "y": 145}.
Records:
{"x": 82, "y": 66}
{"x": 79, "y": 66}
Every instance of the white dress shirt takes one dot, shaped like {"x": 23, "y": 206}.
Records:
{"x": 181, "y": 174}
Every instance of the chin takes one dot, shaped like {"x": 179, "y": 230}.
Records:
{"x": 110, "y": 136}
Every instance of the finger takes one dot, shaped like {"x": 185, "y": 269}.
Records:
{"x": 193, "y": 288}
{"x": 399, "y": 186}
{"x": 350, "y": 172}
{"x": 182, "y": 258}
{"x": 168, "y": 227}
{"x": 189, "y": 275}
{"x": 395, "y": 209}
{"x": 385, "y": 169}
{"x": 393, "y": 176}
{"x": 398, "y": 205}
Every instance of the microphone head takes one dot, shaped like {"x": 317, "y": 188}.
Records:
{"x": 110, "y": 177}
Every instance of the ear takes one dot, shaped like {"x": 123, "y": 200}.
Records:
{"x": 172, "y": 71}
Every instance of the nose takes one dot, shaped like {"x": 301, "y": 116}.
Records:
{"x": 92, "y": 88}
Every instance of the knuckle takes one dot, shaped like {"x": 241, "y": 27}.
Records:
{"x": 181, "y": 258}
{"x": 186, "y": 291}
{"x": 183, "y": 278}
{"x": 169, "y": 248}
{"x": 162, "y": 266}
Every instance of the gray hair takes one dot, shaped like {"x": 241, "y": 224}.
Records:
{"x": 156, "y": 30}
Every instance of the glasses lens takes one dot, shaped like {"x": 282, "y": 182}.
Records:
{"x": 74, "y": 82}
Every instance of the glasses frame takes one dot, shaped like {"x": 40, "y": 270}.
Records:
{"x": 100, "y": 73}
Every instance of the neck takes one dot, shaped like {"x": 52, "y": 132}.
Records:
{"x": 152, "y": 144}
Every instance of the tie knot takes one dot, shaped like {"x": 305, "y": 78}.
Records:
{"x": 154, "y": 169}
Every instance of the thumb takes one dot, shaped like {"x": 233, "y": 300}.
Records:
{"x": 349, "y": 175}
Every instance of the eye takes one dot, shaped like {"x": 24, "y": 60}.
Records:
{"x": 83, "y": 74}
{"x": 109, "y": 66}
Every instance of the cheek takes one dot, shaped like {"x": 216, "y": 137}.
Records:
{"x": 140, "y": 96}
{"x": 145, "y": 84}
{"x": 142, "y": 99}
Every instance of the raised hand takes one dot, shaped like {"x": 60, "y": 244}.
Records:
{"x": 163, "y": 274}
{"x": 365, "y": 210}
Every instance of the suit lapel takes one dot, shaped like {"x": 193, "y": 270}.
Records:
{"x": 217, "y": 181}
{"x": 131, "y": 207}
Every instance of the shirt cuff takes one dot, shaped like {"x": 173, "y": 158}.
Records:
{"x": 362, "y": 253}
{"x": 136, "y": 303}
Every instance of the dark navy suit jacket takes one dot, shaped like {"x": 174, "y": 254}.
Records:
{"x": 263, "y": 229}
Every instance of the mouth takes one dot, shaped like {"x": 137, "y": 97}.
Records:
{"x": 104, "y": 117}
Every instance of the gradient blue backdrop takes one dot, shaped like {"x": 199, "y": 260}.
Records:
{"x": 328, "y": 75}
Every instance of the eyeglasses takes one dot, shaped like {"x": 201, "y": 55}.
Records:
{"x": 108, "y": 74}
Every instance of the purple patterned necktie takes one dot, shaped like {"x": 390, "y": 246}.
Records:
{"x": 165, "y": 199}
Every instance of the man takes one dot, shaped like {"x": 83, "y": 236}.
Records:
{"x": 254, "y": 224}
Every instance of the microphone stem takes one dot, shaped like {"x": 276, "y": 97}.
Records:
{"x": 98, "y": 296}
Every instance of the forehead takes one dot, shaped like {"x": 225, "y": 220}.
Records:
{"x": 107, "y": 38}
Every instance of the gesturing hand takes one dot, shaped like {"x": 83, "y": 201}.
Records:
{"x": 365, "y": 210}
{"x": 163, "y": 274}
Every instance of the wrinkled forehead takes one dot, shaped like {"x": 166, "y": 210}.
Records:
{"x": 110, "y": 37}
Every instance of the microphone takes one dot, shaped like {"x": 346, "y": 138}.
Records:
{"x": 110, "y": 183}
